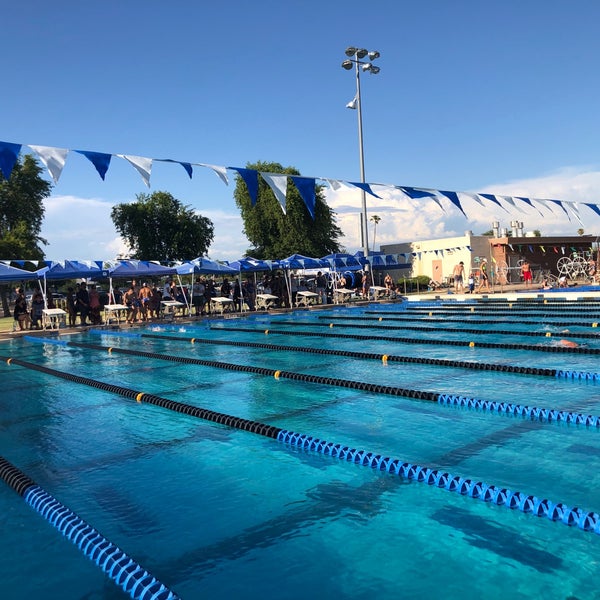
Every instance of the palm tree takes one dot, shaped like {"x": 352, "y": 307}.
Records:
{"x": 375, "y": 220}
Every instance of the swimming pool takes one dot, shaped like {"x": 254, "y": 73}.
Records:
{"x": 211, "y": 510}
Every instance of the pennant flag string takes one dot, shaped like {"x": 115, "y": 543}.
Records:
{"x": 54, "y": 160}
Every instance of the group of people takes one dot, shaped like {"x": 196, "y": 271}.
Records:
{"x": 458, "y": 275}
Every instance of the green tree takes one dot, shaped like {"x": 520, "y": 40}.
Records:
{"x": 22, "y": 210}
{"x": 375, "y": 219}
{"x": 160, "y": 227}
{"x": 275, "y": 234}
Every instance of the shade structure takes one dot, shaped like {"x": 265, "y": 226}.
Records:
{"x": 205, "y": 266}
{"x": 8, "y": 273}
{"x": 252, "y": 265}
{"x": 298, "y": 261}
{"x": 341, "y": 260}
{"x": 72, "y": 269}
{"x": 379, "y": 260}
{"x": 139, "y": 268}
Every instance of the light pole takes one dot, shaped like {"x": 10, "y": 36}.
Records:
{"x": 355, "y": 56}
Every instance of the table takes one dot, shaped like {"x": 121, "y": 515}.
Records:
{"x": 377, "y": 292}
{"x": 169, "y": 308}
{"x": 342, "y": 295}
{"x": 221, "y": 305}
{"x": 305, "y": 298}
{"x": 116, "y": 311}
{"x": 265, "y": 301}
{"x": 53, "y": 318}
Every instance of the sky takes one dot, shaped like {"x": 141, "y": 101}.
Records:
{"x": 498, "y": 97}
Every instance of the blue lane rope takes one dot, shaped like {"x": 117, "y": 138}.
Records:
{"x": 532, "y": 413}
{"x": 555, "y": 511}
{"x": 119, "y": 567}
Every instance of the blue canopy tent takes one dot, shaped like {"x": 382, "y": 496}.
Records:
{"x": 68, "y": 269}
{"x": 135, "y": 269}
{"x": 8, "y": 273}
{"x": 252, "y": 265}
{"x": 204, "y": 266}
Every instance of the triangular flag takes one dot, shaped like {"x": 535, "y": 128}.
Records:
{"x": 250, "y": 177}
{"x": 453, "y": 197}
{"x": 100, "y": 160}
{"x": 493, "y": 199}
{"x": 142, "y": 165}
{"x": 415, "y": 193}
{"x": 220, "y": 171}
{"x": 593, "y": 207}
{"x": 53, "y": 158}
{"x": 306, "y": 187}
{"x": 8, "y": 157}
{"x": 278, "y": 185}
{"x": 365, "y": 187}
{"x": 334, "y": 184}
{"x": 187, "y": 166}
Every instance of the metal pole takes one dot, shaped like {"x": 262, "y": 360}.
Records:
{"x": 365, "y": 222}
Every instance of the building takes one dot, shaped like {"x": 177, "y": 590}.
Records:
{"x": 559, "y": 255}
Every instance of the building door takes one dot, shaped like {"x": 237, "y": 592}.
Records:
{"x": 436, "y": 270}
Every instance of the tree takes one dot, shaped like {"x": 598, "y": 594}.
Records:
{"x": 275, "y": 234}
{"x": 375, "y": 219}
{"x": 160, "y": 227}
{"x": 580, "y": 231}
{"x": 22, "y": 210}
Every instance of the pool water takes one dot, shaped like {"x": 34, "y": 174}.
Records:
{"x": 212, "y": 511}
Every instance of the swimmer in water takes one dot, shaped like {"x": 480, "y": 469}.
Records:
{"x": 568, "y": 344}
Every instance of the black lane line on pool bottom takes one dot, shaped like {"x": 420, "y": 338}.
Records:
{"x": 546, "y": 334}
{"x": 426, "y": 341}
{"x": 119, "y": 567}
{"x": 584, "y": 520}
{"x": 492, "y": 320}
{"x": 532, "y": 413}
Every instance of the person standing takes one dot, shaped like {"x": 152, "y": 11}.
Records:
{"x": 321, "y": 285}
{"x": 484, "y": 280}
{"x": 526, "y": 273}
{"x": 198, "y": 299}
{"x": 459, "y": 273}
{"x": 83, "y": 302}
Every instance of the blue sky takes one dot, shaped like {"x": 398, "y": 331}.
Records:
{"x": 498, "y": 96}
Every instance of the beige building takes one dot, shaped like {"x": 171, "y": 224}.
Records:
{"x": 437, "y": 258}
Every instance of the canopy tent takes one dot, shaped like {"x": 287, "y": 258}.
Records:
{"x": 298, "y": 261}
{"x": 204, "y": 266}
{"x": 134, "y": 268}
{"x": 380, "y": 260}
{"x": 8, "y": 273}
{"x": 341, "y": 260}
{"x": 253, "y": 265}
{"x": 72, "y": 269}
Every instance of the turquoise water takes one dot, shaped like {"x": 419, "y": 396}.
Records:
{"x": 215, "y": 512}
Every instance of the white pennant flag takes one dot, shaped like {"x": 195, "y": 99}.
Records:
{"x": 575, "y": 210}
{"x": 53, "y": 158}
{"x": 278, "y": 183}
{"x": 143, "y": 166}
{"x": 220, "y": 171}
{"x": 334, "y": 184}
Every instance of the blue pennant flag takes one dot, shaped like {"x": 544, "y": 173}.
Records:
{"x": 100, "y": 160}
{"x": 415, "y": 194}
{"x": 8, "y": 157}
{"x": 493, "y": 199}
{"x": 306, "y": 187}
{"x": 453, "y": 197}
{"x": 250, "y": 177}
{"x": 365, "y": 187}
{"x": 593, "y": 207}
{"x": 187, "y": 166}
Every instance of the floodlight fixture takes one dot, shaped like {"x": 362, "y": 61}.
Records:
{"x": 354, "y": 58}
